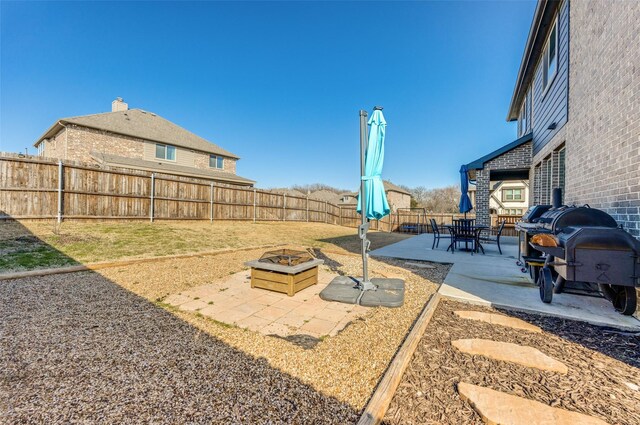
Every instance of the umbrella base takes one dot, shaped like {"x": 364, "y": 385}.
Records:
{"x": 344, "y": 289}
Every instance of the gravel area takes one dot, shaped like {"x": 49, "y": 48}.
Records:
{"x": 104, "y": 347}
{"x": 603, "y": 369}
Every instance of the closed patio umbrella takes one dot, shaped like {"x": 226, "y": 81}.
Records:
{"x": 372, "y": 200}
{"x": 465, "y": 203}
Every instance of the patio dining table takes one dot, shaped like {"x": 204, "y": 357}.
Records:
{"x": 465, "y": 230}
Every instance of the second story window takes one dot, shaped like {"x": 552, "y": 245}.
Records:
{"x": 165, "y": 152}
{"x": 525, "y": 114}
{"x": 512, "y": 195}
{"x": 550, "y": 59}
{"x": 216, "y": 161}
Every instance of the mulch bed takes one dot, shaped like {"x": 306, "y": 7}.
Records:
{"x": 601, "y": 362}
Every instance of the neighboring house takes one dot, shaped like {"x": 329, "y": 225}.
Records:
{"x": 397, "y": 196}
{"x": 326, "y": 196}
{"x": 137, "y": 139}
{"x": 578, "y": 111}
{"x": 289, "y": 192}
{"x": 506, "y": 197}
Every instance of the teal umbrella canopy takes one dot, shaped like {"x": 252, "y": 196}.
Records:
{"x": 376, "y": 200}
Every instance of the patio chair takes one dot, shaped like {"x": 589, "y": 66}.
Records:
{"x": 494, "y": 235}
{"x": 463, "y": 231}
{"x": 436, "y": 234}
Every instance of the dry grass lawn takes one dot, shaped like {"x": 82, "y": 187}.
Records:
{"x": 32, "y": 245}
{"x": 103, "y": 346}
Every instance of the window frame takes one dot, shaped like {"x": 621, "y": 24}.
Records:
{"x": 166, "y": 151}
{"x": 512, "y": 189}
{"x": 219, "y": 161}
{"x": 547, "y": 80}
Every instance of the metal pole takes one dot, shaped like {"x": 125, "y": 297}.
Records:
{"x": 153, "y": 191}
{"x": 211, "y": 204}
{"x": 60, "y": 189}
{"x": 365, "y": 284}
{"x": 254, "y": 205}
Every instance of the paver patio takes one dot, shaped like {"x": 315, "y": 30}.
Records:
{"x": 234, "y": 302}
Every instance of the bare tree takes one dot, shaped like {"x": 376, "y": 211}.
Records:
{"x": 439, "y": 200}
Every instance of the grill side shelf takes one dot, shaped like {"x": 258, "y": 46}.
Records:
{"x": 556, "y": 251}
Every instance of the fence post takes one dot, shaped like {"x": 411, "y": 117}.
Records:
{"x": 254, "y": 205}
{"x": 211, "y": 203}
{"x": 307, "y": 208}
{"x": 284, "y": 207}
{"x": 153, "y": 191}
{"x": 60, "y": 189}
{"x": 340, "y": 212}
{"x": 326, "y": 216}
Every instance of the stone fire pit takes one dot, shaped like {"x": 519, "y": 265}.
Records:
{"x": 284, "y": 270}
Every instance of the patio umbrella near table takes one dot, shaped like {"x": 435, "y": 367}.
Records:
{"x": 465, "y": 203}
{"x": 372, "y": 201}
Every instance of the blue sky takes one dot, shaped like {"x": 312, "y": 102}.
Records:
{"x": 277, "y": 83}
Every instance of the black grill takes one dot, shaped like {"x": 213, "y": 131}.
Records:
{"x": 591, "y": 249}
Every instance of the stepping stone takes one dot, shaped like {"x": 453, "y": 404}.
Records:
{"x": 498, "y": 319}
{"x": 497, "y": 407}
{"x": 508, "y": 352}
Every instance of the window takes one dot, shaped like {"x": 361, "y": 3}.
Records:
{"x": 216, "y": 161}
{"x": 547, "y": 171}
{"x": 524, "y": 122}
{"x": 550, "y": 58}
{"x": 41, "y": 148}
{"x": 561, "y": 169}
{"x": 512, "y": 194}
{"x": 166, "y": 152}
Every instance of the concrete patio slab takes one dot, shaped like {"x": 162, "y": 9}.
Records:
{"x": 234, "y": 302}
{"x": 496, "y": 280}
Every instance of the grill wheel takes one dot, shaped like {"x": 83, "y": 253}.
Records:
{"x": 623, "y": 298}
{"x": 545, "y": 282}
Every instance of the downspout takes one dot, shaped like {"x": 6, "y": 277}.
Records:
{"x": 66, "y": 139}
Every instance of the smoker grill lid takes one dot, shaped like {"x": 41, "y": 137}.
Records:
{"x": 557, "y": 219}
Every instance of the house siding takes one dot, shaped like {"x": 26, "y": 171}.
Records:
{"x": 551, "y": 106}
{"x": 603, "y": 142}
{"x": 77, "y": 143}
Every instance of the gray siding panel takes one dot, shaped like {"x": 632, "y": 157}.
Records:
{"x": 552, "y": 107}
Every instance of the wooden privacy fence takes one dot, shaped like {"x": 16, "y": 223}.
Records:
{"x": 36, "y": 188}
{"x": 33, "y": 188}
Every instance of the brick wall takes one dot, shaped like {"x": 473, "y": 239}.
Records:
{"x": 602, "y": 136}
{"x": 202, "y": 161}
{"x": 518, "y": 158}
{"x": 603, "y": 147}
{"x": 398, "y": 200}
{"x": 76, "y": 143}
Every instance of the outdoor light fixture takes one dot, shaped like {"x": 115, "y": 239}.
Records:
{"x": 552, "y": 126}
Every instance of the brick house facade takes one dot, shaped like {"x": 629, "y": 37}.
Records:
{"x": 129, "y": 138}
{"x": 577, "y": 98}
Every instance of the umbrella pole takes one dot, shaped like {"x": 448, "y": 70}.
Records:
{"x": 365, "y": 284}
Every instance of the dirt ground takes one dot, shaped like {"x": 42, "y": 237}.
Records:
{"x": 103, "y": 347}
{"x": 42, "y": 244}
{"x": 602, "y": 362}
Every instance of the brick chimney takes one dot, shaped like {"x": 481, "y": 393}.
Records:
{"x": 119, "y": 105}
